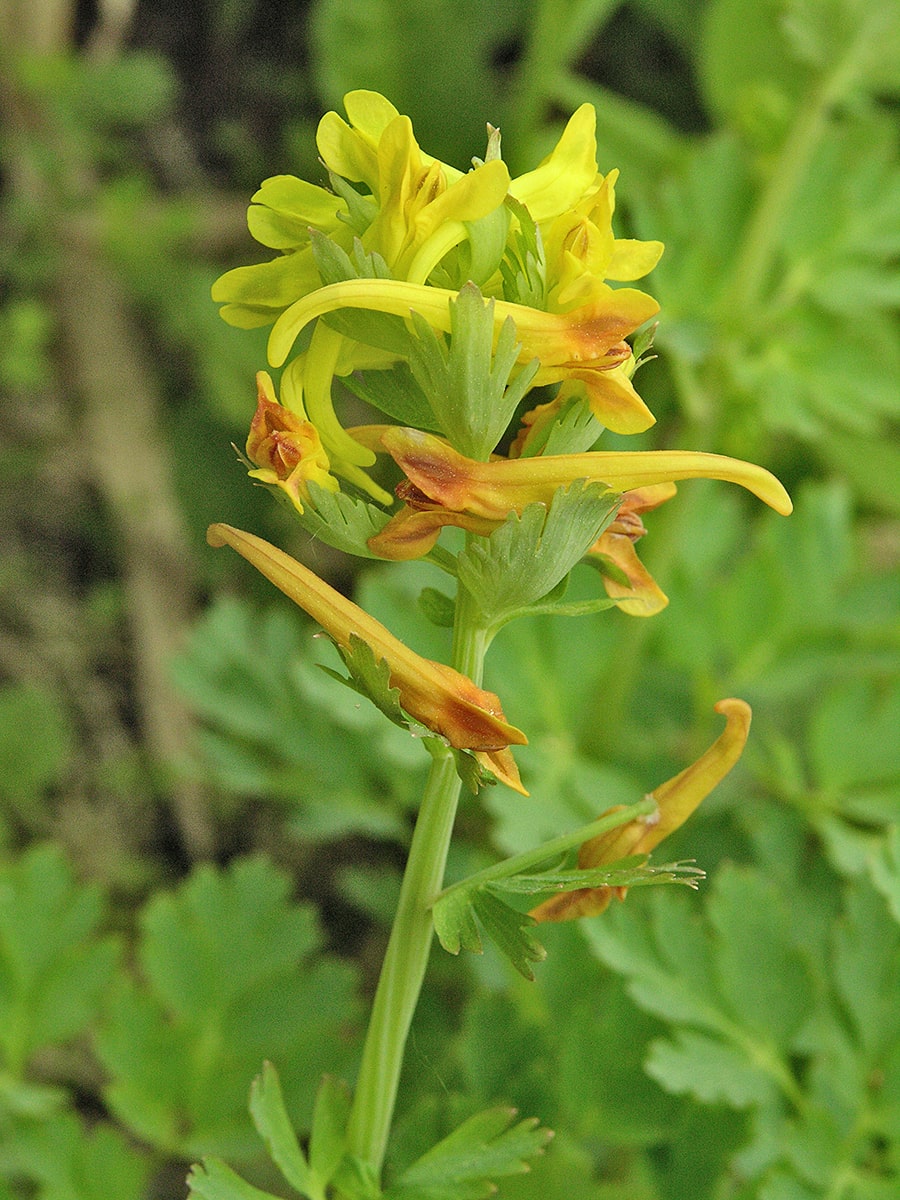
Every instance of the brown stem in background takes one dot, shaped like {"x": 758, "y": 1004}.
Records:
{"x": 129, "y": 460}
{"x": 123, "y": 438}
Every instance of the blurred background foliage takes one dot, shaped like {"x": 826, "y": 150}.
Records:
{"x": 201, "y": 834}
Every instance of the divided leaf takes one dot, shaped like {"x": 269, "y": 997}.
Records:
{"x": 54, "y": 967}
{"x": 463, "y": 1166}
{"x": 234, "y": 972}
{"x": 462, "y": 911}
{"x": 274, "y": 1126}
{"x": 64, "y": 1160}
{"x": 214, "y": 1180}
{"x": 467, "y": 379}
{"x": 371, "y": 677}
{"x": 530, "y": 554}
{"x": 509, "y": 930}
{"x": 342, "y": 521}
{"x": 756, "y": 1024}
{"x": 275, "y": 727}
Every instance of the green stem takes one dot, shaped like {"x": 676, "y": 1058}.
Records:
{"x": 409, "y": 945}
{"x": 404, "y": 967}
{"x": 761, "y": 239}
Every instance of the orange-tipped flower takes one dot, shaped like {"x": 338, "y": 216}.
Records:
{"x": 504, "y": 485}
{"x": 629, "y": 581}
{"x": 285, "y": 447}
{"x": 438, "y": 696}
{"x": 676, "y": 800}
{"x": 584, "y": 343}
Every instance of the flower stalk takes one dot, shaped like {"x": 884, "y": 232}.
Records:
{"x": 403, "y": 969}
{"x": 409, "y": 946}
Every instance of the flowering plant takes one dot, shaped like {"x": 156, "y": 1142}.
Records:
{"x": 478, "y": 315}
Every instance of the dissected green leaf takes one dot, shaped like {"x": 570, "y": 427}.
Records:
{"x": 274, "y": 1126}
{"x": 342, "y": 521}
{"x": 509, "y": 930}
{"x": 276, "y": 727}
{"x": 467, "y": 378}
{"x": 749, "y": 1031}
{"x": 454, "y": 923}
{"x": 524, "y": 267}
{"x": 371, "y": 677}
{"x": 460, "y": 912}
{"x": 63, "y": 1160}
{"x": 54, "y": 965}
{"x": 234, "y": 974}
{"x": 328, "y": 1140}
{"x": 528, "y": 555}
{"x": 462, "y": 1166}
{"x": 709, "y": 1069}
{"x": 707, "y": 980}
{"x": 628, "y": 873}
{"x": 214, "y": 1180}
{"x": 396, "y": 393}
{"x": 574, "y": 430}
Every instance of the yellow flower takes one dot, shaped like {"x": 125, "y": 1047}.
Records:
{"x": 419, "y": 210}
{"x": 582, "y": 249}
{"x": 573, "y": 204}
{"x": 494, "y": 489}
{"x": 630, "y": 582}
{"x": 281, "y": 214}
{"x": 285, "y": 447}
{"x": 675, "y": 800}
{"x": 422, "y": 205}
{"x": 611, "y": 396}
{"x": 442, "y": 699}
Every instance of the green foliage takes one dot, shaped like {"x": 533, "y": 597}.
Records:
{"x": 278, "y": 729}
{"x": 342, "y": 521}
{"x": 63, "y": 1162}
{"x": 230, "y": 967}
{"x": 530, "y": 554}
{"x": 463, "y": 1165}
{"x": 756, "y": 1024}
{"x": 467, "y": 381}
{"x": 327, "y": 1141}
{"x": 54, "y": 965}
{"x": 484, "y": 898}
{"x": 371, "y": 677}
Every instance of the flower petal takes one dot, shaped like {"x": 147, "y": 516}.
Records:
{"x": 632, "y": 259}
{"x": 412, "y": 532}
{"x": 496, "y": 488}
{"x": 565, "y": 174}
{"x": 576, "y": 338}
{"x": 641, "y": 596}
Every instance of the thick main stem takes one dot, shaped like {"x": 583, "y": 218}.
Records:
{"x": 404, "y": 967}
{"x": 409, "y": 945}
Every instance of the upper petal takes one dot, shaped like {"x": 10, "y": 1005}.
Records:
{"x": 565, "y": 174}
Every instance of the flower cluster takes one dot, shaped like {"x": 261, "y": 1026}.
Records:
{"x": 445, "y": 298}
